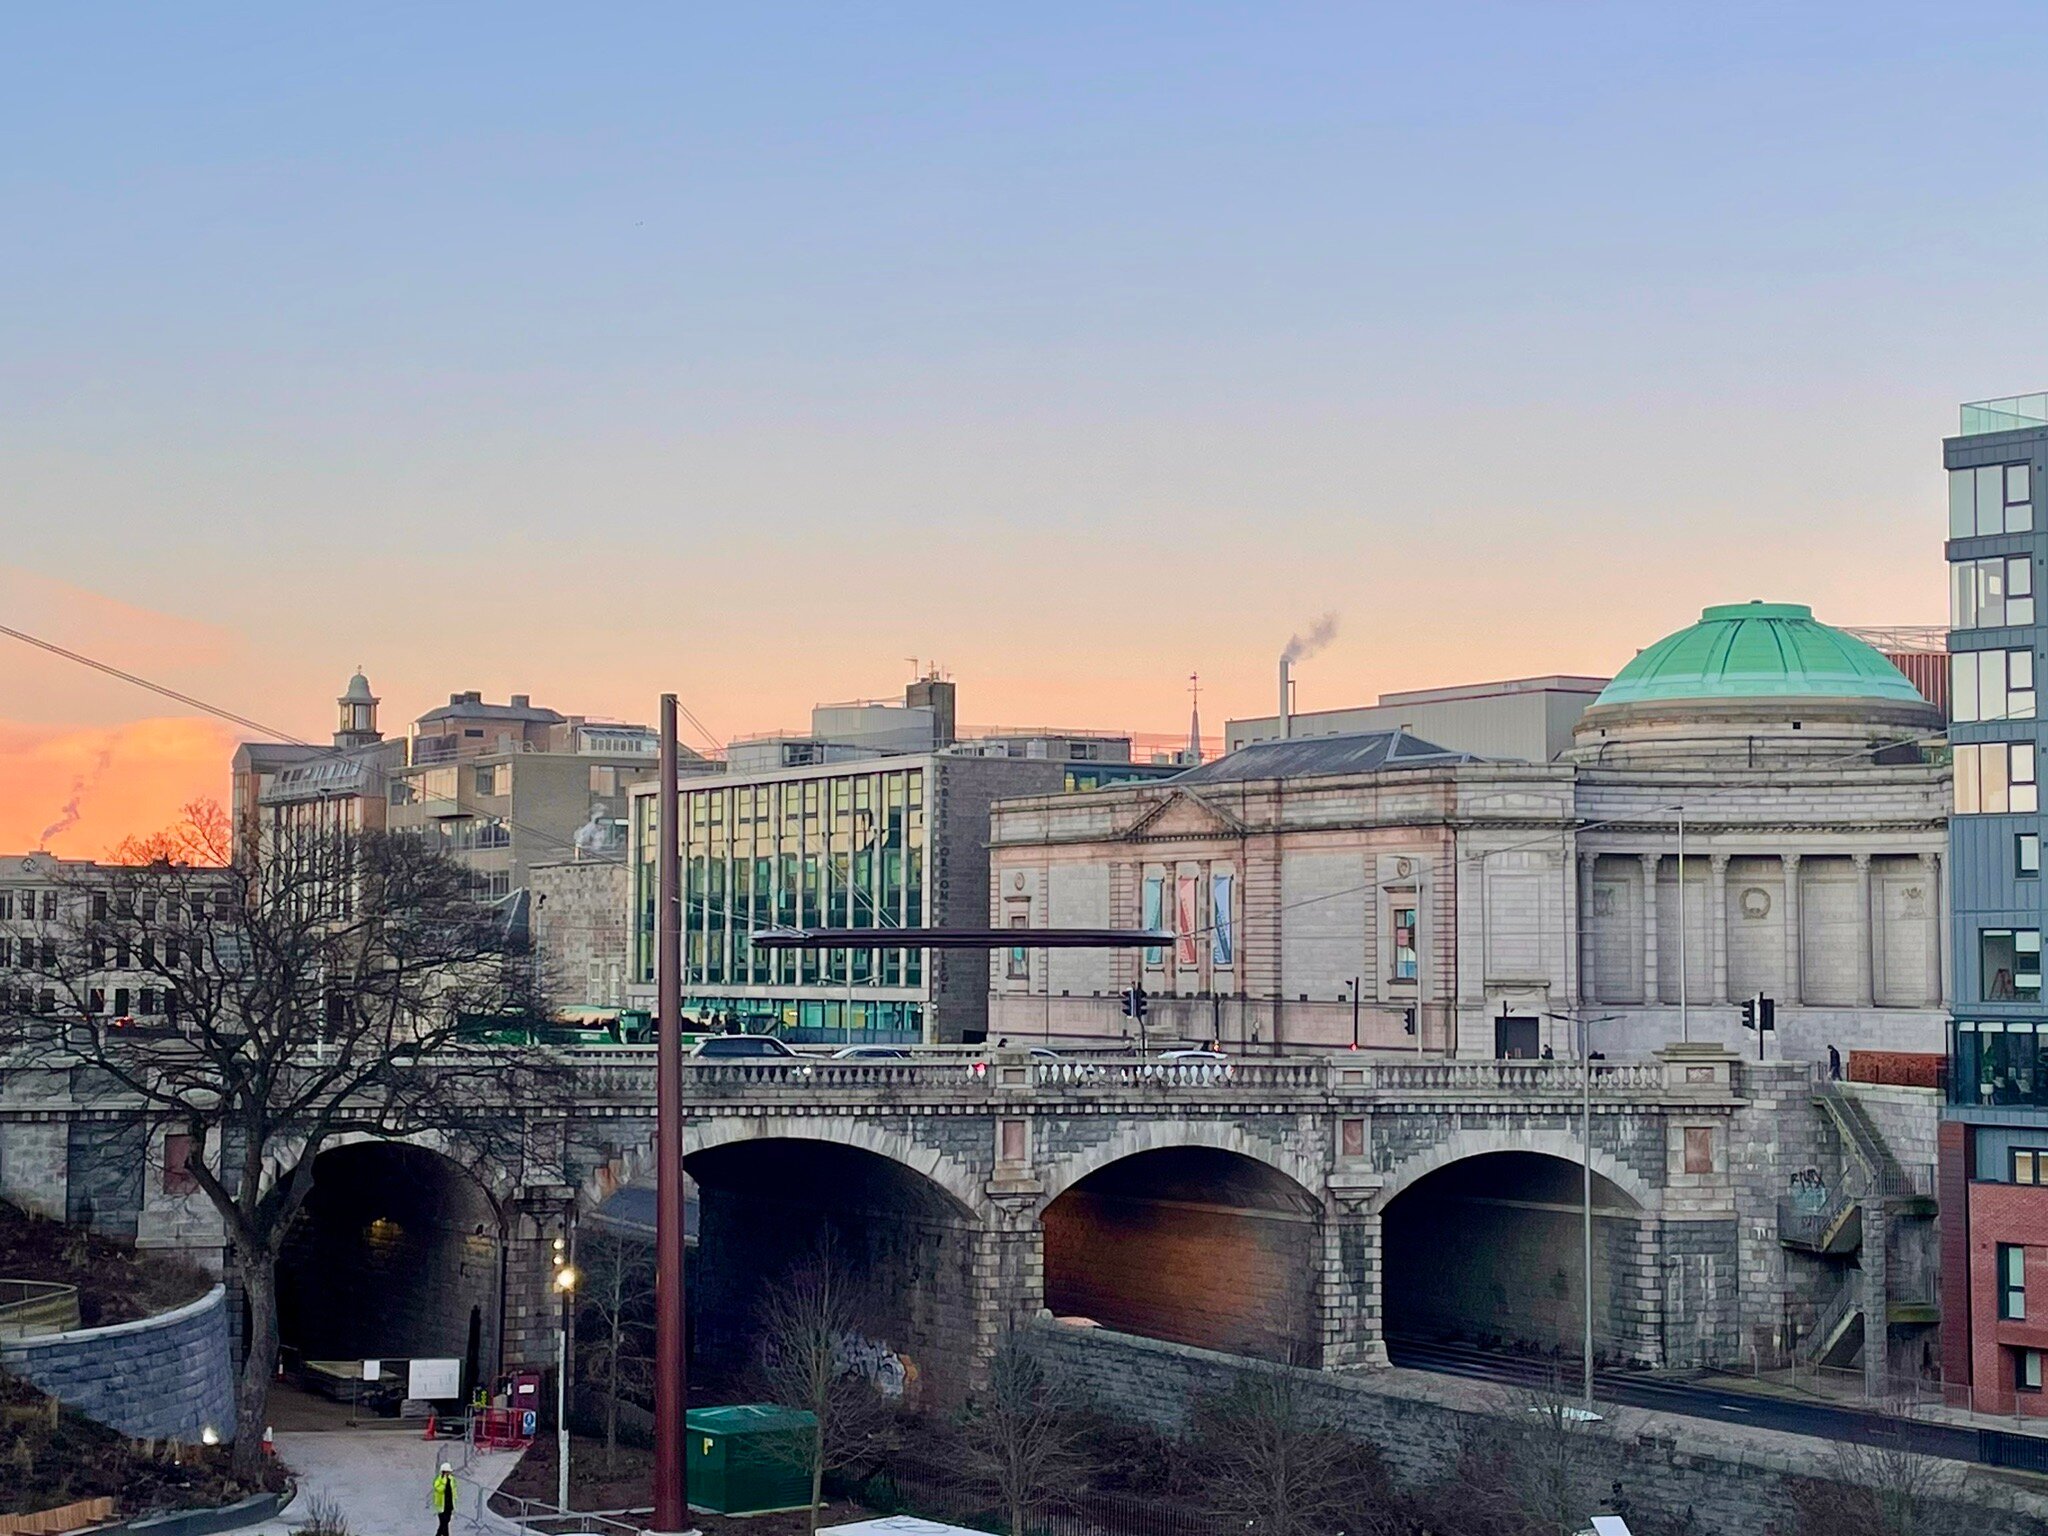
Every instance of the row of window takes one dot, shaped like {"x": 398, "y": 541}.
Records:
{"x": 1994, "y": 777}
{"x": 1998, "y": 498}
{"x": 26, "y": 901}
{"x": 34, "y": 954}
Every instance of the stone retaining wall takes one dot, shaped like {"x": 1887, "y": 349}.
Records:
{"x": 165, "y": 1377}
{"x": 1670, "y": 1473}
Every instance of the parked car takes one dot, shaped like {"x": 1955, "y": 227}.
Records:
{"x": 744, "y": 1048}
{"x": 1191, "y": 1066}
{"x": 870, "y": 1053}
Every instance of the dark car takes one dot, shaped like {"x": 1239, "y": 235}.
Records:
{"x": 744, "y": 1047}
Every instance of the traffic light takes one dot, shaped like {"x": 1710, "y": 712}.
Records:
{"x": 1749, "y": 1012}
{"x": 1136, "y": 1004}
{"x": 1760, "y": 1012}
{"x": 1408, "y": 1020}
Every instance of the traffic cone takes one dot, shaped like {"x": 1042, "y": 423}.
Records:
{"x": 430, "y": 1425}
{"x": 269, "y": 1441}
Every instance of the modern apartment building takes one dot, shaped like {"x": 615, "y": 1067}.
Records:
{"x": 882, "y": 842}
{"x": 1994, "y": 1135}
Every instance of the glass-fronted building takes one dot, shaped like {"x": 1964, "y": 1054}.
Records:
{"x": 895, "y": 842}
{"x": 1994, "y": 1136}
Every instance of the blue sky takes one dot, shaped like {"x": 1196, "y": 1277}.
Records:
{"x": 749, "y": 350}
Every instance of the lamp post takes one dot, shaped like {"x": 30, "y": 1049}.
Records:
{"x": 671, "y": 1355}
{"x": 565, "y": 1287}
{"x": 1585, "y": 1032}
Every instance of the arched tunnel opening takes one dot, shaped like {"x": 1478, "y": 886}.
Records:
{"x": 1490, "y": 1251}
{"x": 766, "y": 1207}
{"x": 1194, "y": 1245}
{"x": 395, "y": 1255}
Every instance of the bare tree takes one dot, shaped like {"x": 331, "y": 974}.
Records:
{"x": 1266, "y": 1458}
{"x": 313, "y": 995}
{"x": 1025, "y": 1433}
{"x": 809, "y": 1317}
{"x": 615, "y": 1330}
{"x": 1881, "y": 1488}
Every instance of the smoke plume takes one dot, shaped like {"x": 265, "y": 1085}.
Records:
{"x": 67, "y": 817}
{"x": 1320, "y": 634}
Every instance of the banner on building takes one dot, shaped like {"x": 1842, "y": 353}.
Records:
{"x": 1222, "y": 939}
{"x": 1155, "y": 917}
{"x": 1185, "y": 902}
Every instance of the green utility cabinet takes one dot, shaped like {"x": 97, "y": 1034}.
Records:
{"x": 750, "y": 1458}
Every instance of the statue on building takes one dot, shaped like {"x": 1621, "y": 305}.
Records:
{"x": 603, "y": 836}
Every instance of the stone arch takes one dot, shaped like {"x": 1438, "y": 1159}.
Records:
{"x": 1563, "y": 1145}
{"x": 487, "y": 1174}
{"x": 636, "y": 1164}
{"x": 1160, "y": 1135}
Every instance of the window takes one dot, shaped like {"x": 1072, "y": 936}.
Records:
{"x": 1991, "y": 685}
{"x": 1990, "y": 594}
{"x": 2026, "y": 1373}
{"x": 2030, "y": 1165}
{"x": 2026, "y": 855}
{"x": 152, "y": 1002}
{"x": 1994, "y": 777}
{"x": 6, "y": 904}
{"x": 494, "y": 779}
{"x": 6, "y": 949}
{"x": 1997, "y": 498}
{"x": 2012, "y": 1282}
{"x": 121, "y": 1003}
{"x": 178, "y": 1178}
{"x": 1020, "y": 958}
{"x": 49, "y": 907}
{"x": 2011, "y": 964}
{"x": 1405, "y": 960}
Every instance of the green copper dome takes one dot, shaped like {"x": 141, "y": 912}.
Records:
{"x": 1759, "y": 650}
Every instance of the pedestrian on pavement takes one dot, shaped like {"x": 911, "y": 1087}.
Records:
{"x": 1834, "y": 1065}
{"x": 444, "y": 1498}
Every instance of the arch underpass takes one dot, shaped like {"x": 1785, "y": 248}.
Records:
{"x": 766, "y": 1204}
{"x": 396, "y": 1254}
{"x": 1489, "y": 1250}
{"x": 1195, "y": 1245}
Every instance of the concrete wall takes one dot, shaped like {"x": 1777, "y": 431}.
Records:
{"x": 581, "y": 926}
{"x": 166, "y": 1377}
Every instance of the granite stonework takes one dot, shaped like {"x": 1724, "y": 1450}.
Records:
{"x": 1345, "y": 1160}
{"x": 166, "y": 1377}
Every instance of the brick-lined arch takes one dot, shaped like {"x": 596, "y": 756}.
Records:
{"x": 496, "y": 1182}
{"x": 1160, "y": 1135}
{"x": 1562, "y": 1145}
{"x": 636, "y": 1164}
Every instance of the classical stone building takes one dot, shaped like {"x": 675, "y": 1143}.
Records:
{"x": 1322, "y": 889}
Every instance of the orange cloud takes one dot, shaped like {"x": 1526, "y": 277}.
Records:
{"x": 90, "y": 788}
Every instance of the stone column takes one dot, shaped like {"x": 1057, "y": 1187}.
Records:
{"x": 1930, "y": 866}
{"x": 1349, "y": 1301}
{"x": 1944, "y": 962}
{"x": 1651, "y": 993}
{"x": 1865, "y": 928}
{"x": 1717, "y": 923}
{"x": 1584, "y": 934}
{"x": 1009, "y": 1267}
{"x": 1793, "y": 988}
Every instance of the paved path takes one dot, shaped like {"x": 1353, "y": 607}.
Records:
{"x": 381, "y": 1479}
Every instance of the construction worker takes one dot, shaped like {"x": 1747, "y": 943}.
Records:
{"x": 444, "y": 1498}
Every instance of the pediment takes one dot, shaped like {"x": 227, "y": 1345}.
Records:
{"x": 1183, "y": 813}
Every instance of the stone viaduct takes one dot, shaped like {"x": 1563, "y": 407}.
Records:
{"x": 1299, "y": 1208}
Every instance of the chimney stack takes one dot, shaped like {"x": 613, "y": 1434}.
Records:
{"x": 1286, "y": 699}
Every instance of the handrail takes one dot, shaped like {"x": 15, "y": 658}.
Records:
{"x": 27, "y": 1306}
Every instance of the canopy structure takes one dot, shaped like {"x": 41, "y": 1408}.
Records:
{"x": 959, "y": 938}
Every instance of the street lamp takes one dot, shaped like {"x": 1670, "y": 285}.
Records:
{"x": 565, "y": 1286}
{"x": 1586, "y": 1169}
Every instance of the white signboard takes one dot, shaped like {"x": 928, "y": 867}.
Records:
{"x": 372, "y": 1369}
{"x": 435, "y": 1379}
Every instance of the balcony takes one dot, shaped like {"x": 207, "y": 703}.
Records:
{"x": 2014, "y": 413}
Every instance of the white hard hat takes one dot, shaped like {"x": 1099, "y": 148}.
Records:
{"x": 446, "y": 1468}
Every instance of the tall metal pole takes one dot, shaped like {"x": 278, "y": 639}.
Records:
{"x": 671, "y": 1348}
{"x": 1586, "y": 1169}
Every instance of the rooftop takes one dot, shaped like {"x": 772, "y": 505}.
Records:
{"x": 1759, "y": 650}
{"x": 1312, "y": 756}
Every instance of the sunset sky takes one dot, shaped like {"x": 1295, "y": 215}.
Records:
{"x": 750, "y": 351}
